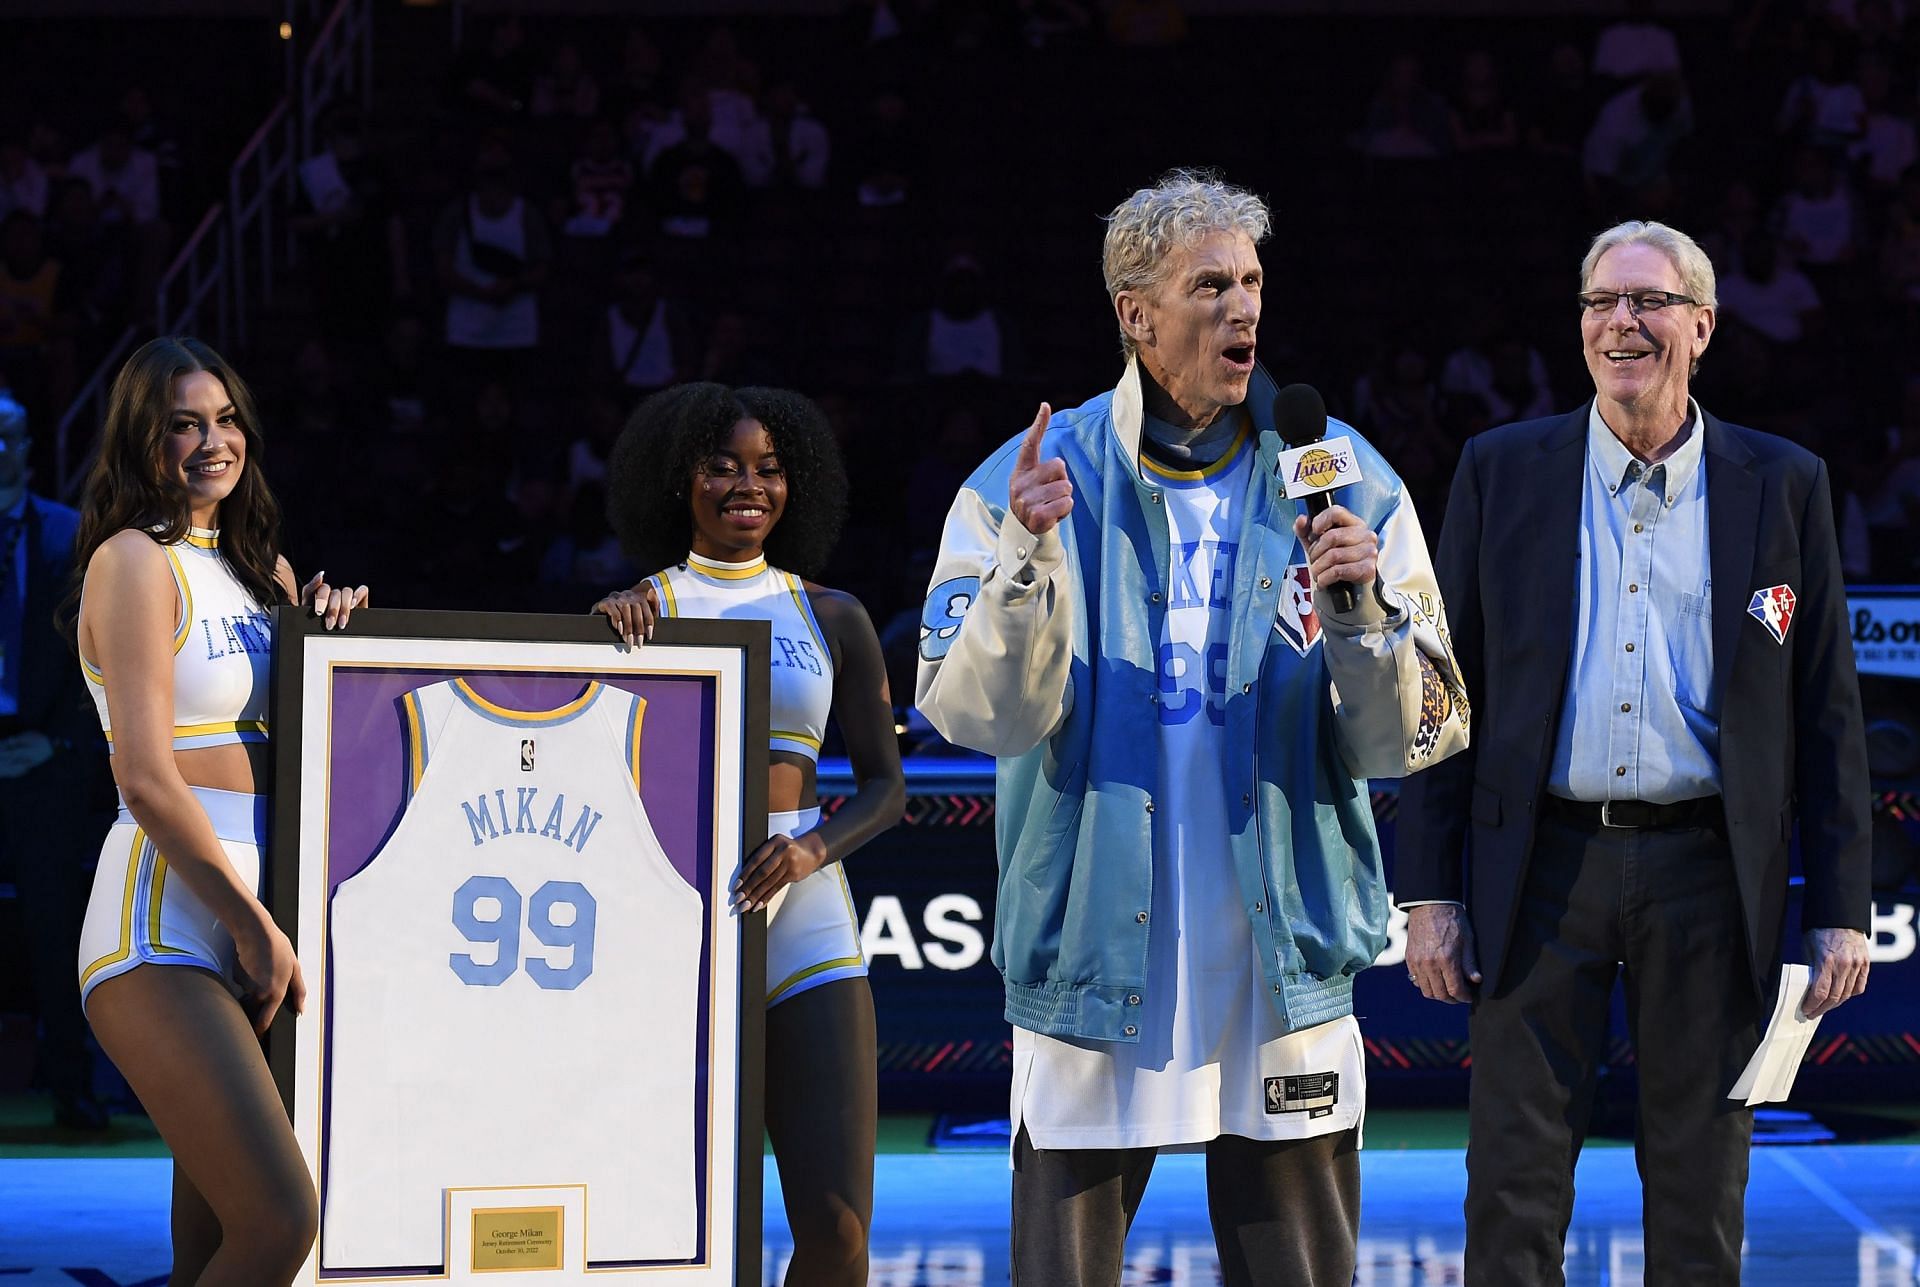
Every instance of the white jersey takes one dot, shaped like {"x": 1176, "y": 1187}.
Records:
{"x": 1213, "y": 1057}
{"x": 515, "y": 979}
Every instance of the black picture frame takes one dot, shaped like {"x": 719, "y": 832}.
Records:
{"x": 299, "y": 636}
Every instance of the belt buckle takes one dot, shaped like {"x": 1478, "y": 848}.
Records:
{"x": 1606, "y": 817}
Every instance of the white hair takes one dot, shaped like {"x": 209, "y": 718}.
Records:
{"x": 1682, "y": 251}
{"x": 1181, "y": 210}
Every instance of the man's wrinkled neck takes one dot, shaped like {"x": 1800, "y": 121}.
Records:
{"x": 1163, "y": 406}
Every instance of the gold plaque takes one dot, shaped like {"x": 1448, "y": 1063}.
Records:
{"x": 516, "y": 1238}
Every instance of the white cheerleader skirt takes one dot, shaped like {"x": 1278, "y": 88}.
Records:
{"x": 813, "y": 935}
{"x": 142, "y": 914}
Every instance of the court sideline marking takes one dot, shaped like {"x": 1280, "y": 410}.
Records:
{"x": 1837, "y": 1202}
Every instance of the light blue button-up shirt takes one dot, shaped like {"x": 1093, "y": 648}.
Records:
{"x": 1641, "y": 718}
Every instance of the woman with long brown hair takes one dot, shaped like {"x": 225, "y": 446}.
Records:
{"x": 182, "y": 969}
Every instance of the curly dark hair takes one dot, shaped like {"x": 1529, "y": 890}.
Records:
{"x": 677, "y": 429}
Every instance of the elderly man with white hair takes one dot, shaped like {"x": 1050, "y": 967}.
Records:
{"x": 1133, "y": 617}
{"x": 1648, "y": 607}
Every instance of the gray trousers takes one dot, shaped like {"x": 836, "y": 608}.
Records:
{"x": 1284, "y": 1213}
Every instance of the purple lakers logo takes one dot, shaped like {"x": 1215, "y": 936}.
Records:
{"x": 1773, "y": 608}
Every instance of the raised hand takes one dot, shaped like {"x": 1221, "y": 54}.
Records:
{"x": 1039, "y": 493}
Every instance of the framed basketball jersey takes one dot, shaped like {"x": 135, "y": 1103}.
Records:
{"x": 532, "y": 1037}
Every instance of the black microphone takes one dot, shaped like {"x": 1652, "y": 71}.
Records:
{"x": 1300, "y": 416}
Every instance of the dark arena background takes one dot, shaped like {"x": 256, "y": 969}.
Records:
{"x": 895, "y": 207}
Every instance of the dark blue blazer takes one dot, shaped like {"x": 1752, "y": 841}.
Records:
{"x": 53, "y": 695}
{"x": 1791, "y": 742}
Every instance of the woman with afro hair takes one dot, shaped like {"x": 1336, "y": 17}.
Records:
{"x": 737, "y": 495}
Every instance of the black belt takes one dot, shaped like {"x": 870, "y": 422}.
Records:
{"x": 1707, "y": 811}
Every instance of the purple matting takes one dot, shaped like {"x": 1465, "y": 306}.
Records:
{"x": 367, "y": 796}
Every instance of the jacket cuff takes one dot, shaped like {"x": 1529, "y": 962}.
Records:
{"x": 1376, "y": 607}
{"x": 1025, "y": 559}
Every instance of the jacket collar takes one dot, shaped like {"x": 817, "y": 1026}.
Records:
{"x": 1128, "y": 415}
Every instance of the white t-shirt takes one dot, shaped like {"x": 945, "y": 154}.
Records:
{"x": 956, "y": 346}
{"x": 645, "y": 358}
{"x": 1630, "y": 50}
{"x": 1212, "y": 1058}
{"x": 1823, "y": 225}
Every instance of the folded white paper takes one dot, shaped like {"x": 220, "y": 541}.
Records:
{"x": 1770, "y": 1073}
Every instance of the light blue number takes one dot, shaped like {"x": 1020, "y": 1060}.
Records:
{"x": 503, "y": 931}
{"x": 578, "y": 935}
{"x": 1184, "y": 690}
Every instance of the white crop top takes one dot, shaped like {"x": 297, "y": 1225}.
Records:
{"x": 802, "y": 688}
{"x": 222, "y": 651}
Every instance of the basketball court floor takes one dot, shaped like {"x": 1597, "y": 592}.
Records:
{"x": 1818, "y": 1215}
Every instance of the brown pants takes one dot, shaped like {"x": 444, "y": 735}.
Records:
{"x": 1284, "y": 1213}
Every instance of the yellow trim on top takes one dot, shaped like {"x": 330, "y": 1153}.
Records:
{"x": 802, "y": 976}
{"x": 186, "y": 600}
{"x": 1205, "y": 472}
{"x": 805, "y": 739}
{"x": 225, "y": 726}
{"x": 800, "y": 601}
{"x": 126, "y": 912}
{"x": 154, "y": 903}
{"x": 91, "y": 671}
{"x": 666, "y": 592}
{"x": 199, "y": 542}
{"x": 593, "y": 686}
{"x": 726, "y": 572}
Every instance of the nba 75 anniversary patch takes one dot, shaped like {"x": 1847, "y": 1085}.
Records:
{"x": 1773, "y": 608}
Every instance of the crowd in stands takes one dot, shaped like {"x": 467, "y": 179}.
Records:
{"x": 897, "y": 212}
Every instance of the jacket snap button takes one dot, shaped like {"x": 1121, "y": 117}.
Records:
{"x": 1259, "y": 907}
{"x": 1140, "y": 918}
{"x": 1266, "y": 583}
{"x": 1155, "y": 596}
{"x": 1246, "y": 799}
{"x": 1149, "y": 806}
{"x": 1131, "y": 1030}
{"x": 1133, "y": 999}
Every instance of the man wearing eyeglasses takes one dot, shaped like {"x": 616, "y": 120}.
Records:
{"x": 1648, "y": 607}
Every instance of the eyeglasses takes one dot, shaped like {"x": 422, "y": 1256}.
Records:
{"x": 1601, "y": 303}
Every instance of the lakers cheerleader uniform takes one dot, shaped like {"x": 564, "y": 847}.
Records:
{"x": 813, "y": 936}
{"x": 222, "y": 646}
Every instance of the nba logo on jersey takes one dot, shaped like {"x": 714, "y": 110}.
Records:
{"x": 526, "y": 755}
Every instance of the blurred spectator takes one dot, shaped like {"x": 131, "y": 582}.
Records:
{"x": 1886, "y": 146}
{"x": 125, "y": 179}
{"x": 1564, "y": 106}
{"x": 1739, "y": 218}
{"x": 1771, "y": 297}
{"x": 493, "y": 73}
{"x": 1816, "y": 217}
{"x": 958, "y": 447}
{"x": 23, "y": 183}
{"x": 492, "y": 250}
{"x": 153, "y": 134}
{"x": 1481, "y": 118}
{"x": 355, "y": 244}
{"x": 1505, "y": 373}
{"x": 1632, "y": 143}
{"x": 735, "y": 354}
{"x": 1053, "y": 23}
{"x": 648, "y": 340}
{"x": 1406, "y": 120}
{"x": 1394, "y": 405}
{"x": 789, "y": 148}
{"x": 962, "y": 334}
{"x": 639, "y": 82}
{"x": 886, "y": 152}
{"x": 1900, "y": 246}
{"x": 1893, "y": 507}
{"x": 400, "y": 381}
{"x": 1145, "y": 24}
{"x": 36, "y": 322}
{"x": 697, "y": 185}
{"x": 601, "y": 417}
{"x": 732, "y": 84}
{"x": 586, "y": 555}
{"x": 565, "y": 89}
{"x": 1636, "y": 47}
{"x": 94, "y": 262}
{"x": 601, "y": 183}
{"x": 1823, "y": 106}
